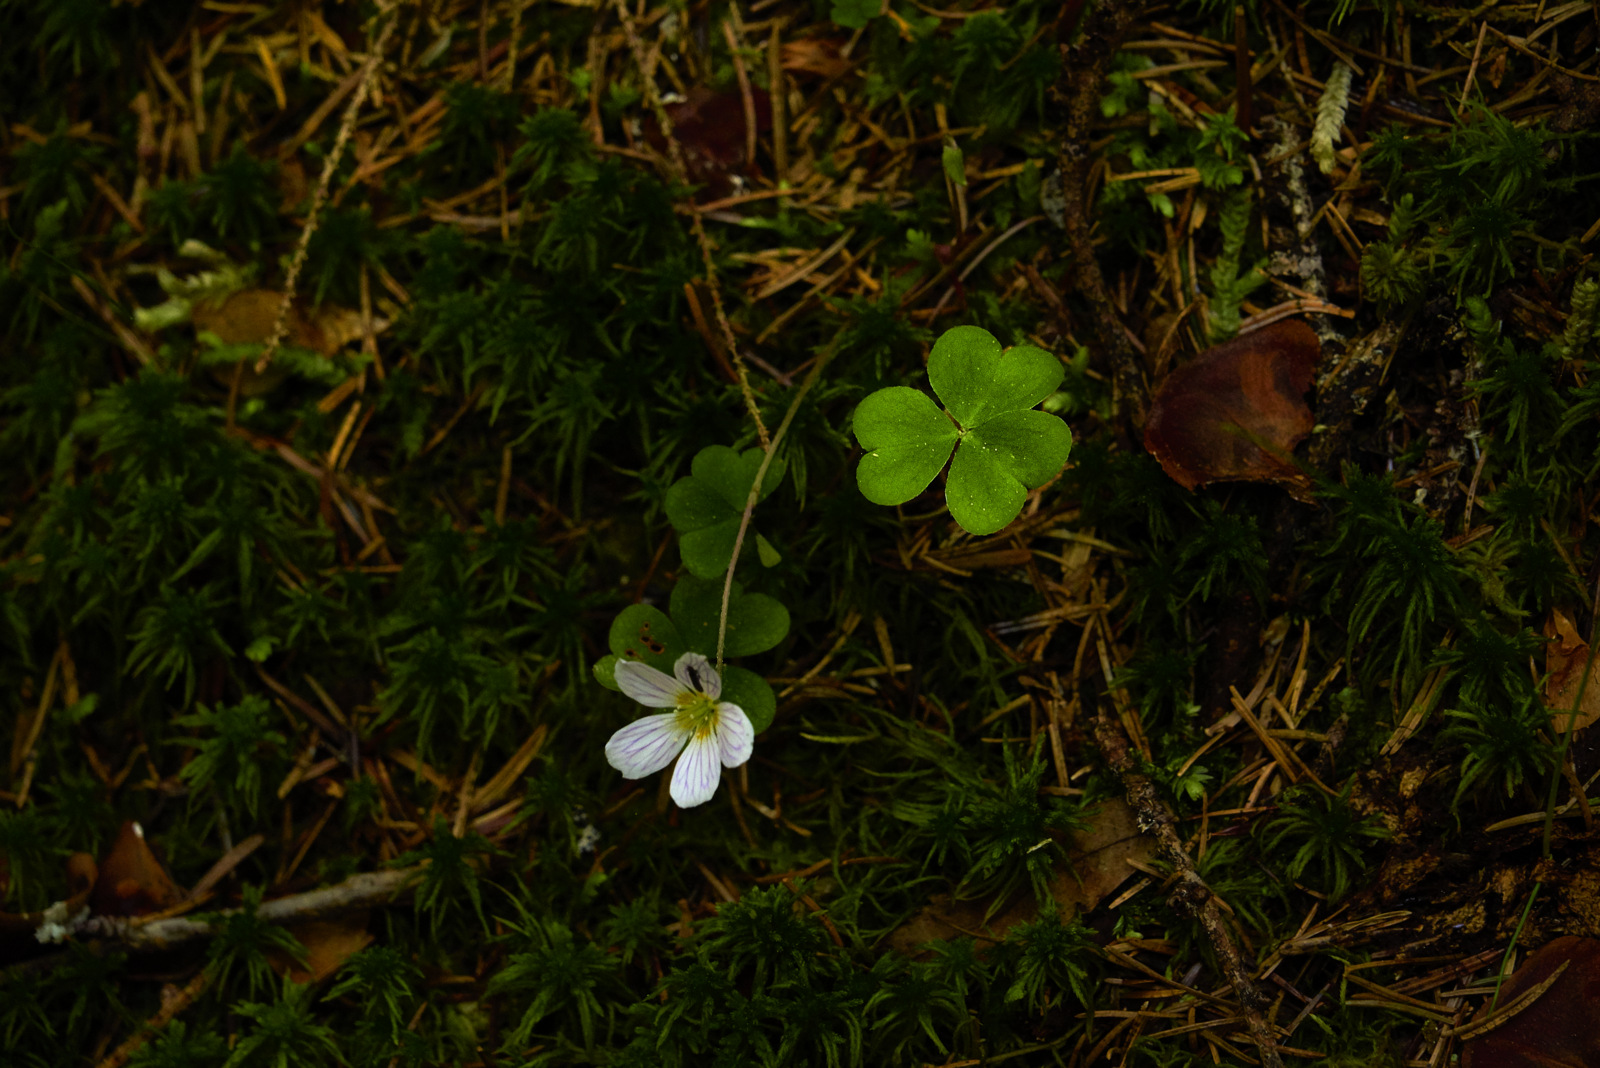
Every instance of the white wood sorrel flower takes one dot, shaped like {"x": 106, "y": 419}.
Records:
{"x": 711, "y": 734}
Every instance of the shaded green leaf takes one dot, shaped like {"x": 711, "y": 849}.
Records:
{"x": 756, "y": 622}
{"x": 645, "y": 634}
{"x": 706, "y": 505}
{"x": 752, "y": 693}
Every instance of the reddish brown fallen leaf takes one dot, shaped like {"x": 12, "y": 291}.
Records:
{"x": 1557, "y": 1029}
{"x": 329, "y": 943}
{"x": 132, "y": 881}
{"x": 1565, "y": 658}
{"x": 1100, "y": 863}
{"x": 1220, "y": 416}
{"x": 709, "y": 126}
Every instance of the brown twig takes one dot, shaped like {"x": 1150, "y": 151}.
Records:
{"x": 1103, "y": 30}
{"x": 1191, "y": 894}
{"x": 356, "y": 892}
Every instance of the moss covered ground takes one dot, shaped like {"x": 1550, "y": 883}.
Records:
{"x": 353, "y": 356}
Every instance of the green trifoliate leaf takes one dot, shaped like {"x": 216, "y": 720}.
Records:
{"x": 907, "y": 438}
{"x": 977, "y": 381}
{"x": 1002, "y": 448}
{"x": 752, "y": 693}
{"x": 706, "y": 505}
{"x": 756, "y": 622}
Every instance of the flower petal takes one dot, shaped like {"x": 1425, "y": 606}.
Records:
{"x": 696, "y": 672}
{"x": 735, "y": 734}
{"x": 698, "y": 772}
{"x": 651, "y": 688}
{"x": 646, "y": 745}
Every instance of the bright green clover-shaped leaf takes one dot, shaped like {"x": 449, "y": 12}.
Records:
{"x": 706, "y": 505}
{"x": 1002, "y": 448}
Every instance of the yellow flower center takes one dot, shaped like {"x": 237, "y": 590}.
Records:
{"x": 697, "y": 713}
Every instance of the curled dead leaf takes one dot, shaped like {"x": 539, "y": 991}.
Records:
{"x": 816, "y": 56}
{"x": 1565, "y": 660}
{"x": 132, "y": 881}
{"x": 1234, "y": 411}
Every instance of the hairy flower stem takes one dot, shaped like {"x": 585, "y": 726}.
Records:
{"x": 680, "y": 170}
{"x": 330, "y": 163}
{"x": 755, "y": 493}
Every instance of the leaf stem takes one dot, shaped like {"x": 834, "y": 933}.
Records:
{"x": 755, "y": 494}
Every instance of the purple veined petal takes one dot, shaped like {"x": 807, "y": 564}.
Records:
{"x": 698, "y": 772}
{"x": 646, "y": 745}
{"x": 696, "y": 672}
{"x": 735, "y": 734}
{"x": 651, "y": 688}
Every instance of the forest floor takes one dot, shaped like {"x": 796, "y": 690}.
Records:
{"x": 358, "y": 361}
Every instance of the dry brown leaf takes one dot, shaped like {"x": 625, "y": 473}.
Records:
{"x": 329, "y": 943}
{"x": 1227, "y": 414}
{"x": 248, "y": 315}
{"x": 710, "y": 128}
{"x": 1565, "y": 659}
{"x": 1100, "y": 863}
{"x": 815, "y": 55}
{"x": 1557, "y": 1029}
{"x": 132, "y": 881}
